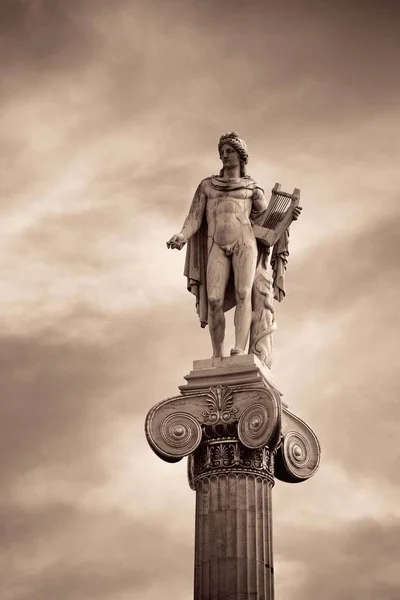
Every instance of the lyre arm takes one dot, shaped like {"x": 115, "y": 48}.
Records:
{"x": 285, "y": 222}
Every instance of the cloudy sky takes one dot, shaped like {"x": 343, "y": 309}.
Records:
{"x": 110, "y": 116}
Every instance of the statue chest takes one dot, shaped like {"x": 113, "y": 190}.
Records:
{"x": 234, "y": 202}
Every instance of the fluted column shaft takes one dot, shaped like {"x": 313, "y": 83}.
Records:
{"x": 233, "y": 538}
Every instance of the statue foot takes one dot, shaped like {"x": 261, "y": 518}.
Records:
{"x": 237, "y": 352}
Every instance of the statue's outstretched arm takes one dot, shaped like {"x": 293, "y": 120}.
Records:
{"x": 193, "y": 220}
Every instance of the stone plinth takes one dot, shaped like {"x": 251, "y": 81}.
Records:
{"x": 231, "y": 423}
{"x": 232, "y": 370}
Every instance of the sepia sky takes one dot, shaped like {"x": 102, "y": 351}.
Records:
{"x": 110, "y": 117}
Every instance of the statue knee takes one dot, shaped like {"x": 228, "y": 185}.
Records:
{"x": 215, "y": 303}
{"x": 243, "y": 294}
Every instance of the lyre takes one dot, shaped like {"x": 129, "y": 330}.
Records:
{"x": 278, "y": 215}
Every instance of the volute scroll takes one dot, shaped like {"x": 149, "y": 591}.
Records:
{"x": 299, "y": 454}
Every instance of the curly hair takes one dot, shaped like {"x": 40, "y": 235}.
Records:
{"x": 237, "y": 144}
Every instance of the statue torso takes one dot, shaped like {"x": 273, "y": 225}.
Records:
{"x": 228, "y": 211}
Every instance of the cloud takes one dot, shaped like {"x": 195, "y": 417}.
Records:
{"x": 359, "y": 560}
{"x": 75, "y": 554}
{"x": 50, "y": 388}
{"x": 72, "y": 446}
{"x": 336, "y": 359}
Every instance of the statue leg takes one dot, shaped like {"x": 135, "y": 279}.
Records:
{"x": 218, "y": 268}
{"x": 244, "y": 262}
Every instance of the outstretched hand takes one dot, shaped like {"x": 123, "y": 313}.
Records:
{"x": 177, "y": 241}
{"x": 297, "y": 212}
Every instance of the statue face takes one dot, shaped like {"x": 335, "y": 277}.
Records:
{"x": 229, "y": 156}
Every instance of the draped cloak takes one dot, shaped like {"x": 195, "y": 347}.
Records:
{"x": 197, "y": 252}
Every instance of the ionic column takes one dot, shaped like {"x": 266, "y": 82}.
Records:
{"x": 237, "y": 434}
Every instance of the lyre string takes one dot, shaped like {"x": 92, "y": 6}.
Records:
{"x": 282, "y": 204}
{"x": 273, "y": 207}
{"x": 277, "y": 210}
{"x": 271, "y": 219}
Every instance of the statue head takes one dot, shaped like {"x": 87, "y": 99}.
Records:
{"x": 239, "y": 145}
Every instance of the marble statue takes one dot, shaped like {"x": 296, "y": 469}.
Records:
{"x": 227, "y": 262}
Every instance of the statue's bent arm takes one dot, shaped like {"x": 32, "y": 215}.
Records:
{"x": 193, "y": 220}
{"x": 260, "y": 204}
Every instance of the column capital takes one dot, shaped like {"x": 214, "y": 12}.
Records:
{"x": 236, "y": 393}
{"x": 176, "y": 426}
{"x": 227, "y": 456}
